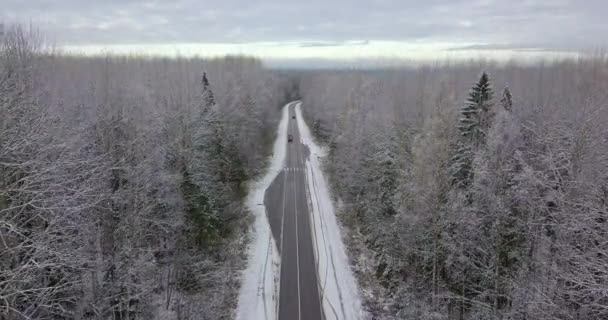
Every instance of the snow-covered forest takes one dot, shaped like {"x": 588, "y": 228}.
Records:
{"x": 121, "y": 181}
{"x": 465, "y": 191}
{"x": 474, "y": 190}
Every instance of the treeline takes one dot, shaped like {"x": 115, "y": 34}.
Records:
{"x": 472, "y": 191}
{"x": 121, "y": 181}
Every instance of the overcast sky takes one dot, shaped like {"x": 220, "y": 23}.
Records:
{"x": 318, "y": 25}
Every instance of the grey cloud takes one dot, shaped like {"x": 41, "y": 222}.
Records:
{"x": 333, "y": 44}
{"x": 537, "y": 47}
{"x": 536, "y": 23}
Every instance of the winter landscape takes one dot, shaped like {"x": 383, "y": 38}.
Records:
{"x": 186, "y": 160}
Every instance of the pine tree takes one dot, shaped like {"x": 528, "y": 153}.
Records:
{"x": 208, "y": 136}
{"x": 476, "y": 114}
{"x": 202, "y": 185}
{"x": 207, "y": 93}
{"x": 507, "y": 99}
{"x": 204, "y": 222}
{"x": 461, "y": 165}
{"x": 476, "y": 119}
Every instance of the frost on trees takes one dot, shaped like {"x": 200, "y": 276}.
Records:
{"x": 201, "y": 182}
{"x": 507, "y": 100}
{"x": 473, "y": 124}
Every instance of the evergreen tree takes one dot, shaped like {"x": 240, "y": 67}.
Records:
{"x": 476, "y": 114}
{"x": 461, "y": 165}
{"x": 202, "y": 187}
{"x": 475, "y": 120}
{"x": 507, "y": 99}
{"x": 207, "y": 93}
{"x": 204, "y": 222}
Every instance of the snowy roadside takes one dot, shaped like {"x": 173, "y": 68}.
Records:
{"x": 258, "y": 298}
{"x": 339, "y": 291}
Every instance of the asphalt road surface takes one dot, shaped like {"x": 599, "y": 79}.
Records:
{"x": 287, "y": 209}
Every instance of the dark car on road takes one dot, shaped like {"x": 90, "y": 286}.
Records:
{"x": 289, "y": 138}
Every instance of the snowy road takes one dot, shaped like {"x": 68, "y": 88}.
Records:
{"x": 297, "y": 266}
{"x": 289, "y": 217}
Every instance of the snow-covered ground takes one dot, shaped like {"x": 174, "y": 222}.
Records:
{"x": 257, "y": 298}
{"x": 339, "y": 292}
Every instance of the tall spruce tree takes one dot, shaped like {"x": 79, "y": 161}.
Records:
{"x": 202, "y": 188}
{"x": 477, "y": 112}
{"x": 473, "y": 124}
{"x": 207, "y": 94}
